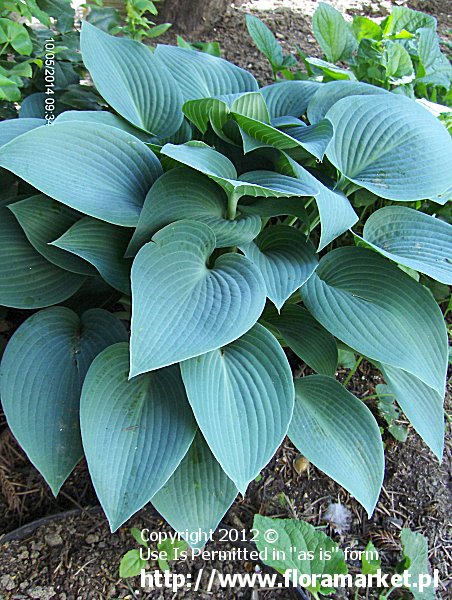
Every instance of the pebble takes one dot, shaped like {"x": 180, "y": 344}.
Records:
{"x": 42, "y": 593}
{"x": 92, "y": 538}
{"x": 53, "y": 540}
{"x": 7, "y": 583}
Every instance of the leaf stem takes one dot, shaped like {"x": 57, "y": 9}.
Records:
{"x": 353, "y": 371}
{"x": 233, "y": 199}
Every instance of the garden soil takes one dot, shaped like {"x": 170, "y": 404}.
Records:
{"x": 73, "y": 556}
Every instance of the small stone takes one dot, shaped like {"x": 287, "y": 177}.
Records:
{"x": 53, "y": 540}
{"x": 92, "y": 538}
{"x": 7, "y": 583}
{"x": 42, "y": 593}
{"x": 25, "y": 555}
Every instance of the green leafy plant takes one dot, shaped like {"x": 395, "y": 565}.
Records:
{"x": 266, "y": 42}
{"x": 402, "y": 53}
{"x": 133, "y": 561}
{"x": 137, "y": 24}
{"x": 220, "y": 215}
{"x": 32, "y": 55}
{"x": 300, "y": 549}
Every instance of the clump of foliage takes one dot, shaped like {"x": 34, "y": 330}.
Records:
{"x": 402, "y": 53}
{"x": 224, "y": 216}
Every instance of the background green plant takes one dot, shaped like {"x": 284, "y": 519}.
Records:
{"x": 402, "y": 53}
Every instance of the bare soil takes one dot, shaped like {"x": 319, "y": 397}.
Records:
{"x": 76, "y": 557}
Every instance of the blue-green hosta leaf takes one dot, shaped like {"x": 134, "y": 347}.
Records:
{"x": 329, "y": 93}
{"x": 391, "y": 146}
{"x": 182, "y": 308}
{"x": 251, "y": 105}
{"x": 135, "y": 433}
{"x": 33, "y": 106}
{"x": 219, "y": 168}
{"x": 339, "y": 435}
{"x": 106, "y": 118}
{"x": 133, "y": 81}
{"x": 305, "y": 336}
{"x": 185, "y": 194}
{"x": 332, "y": 33}
{"x": 335, "y": 211}
{"x": 41, "y": 378}
{"x": 421, "y": 404}
{"x": 379, "y": 311}
{"x": 217, "y": 112}
{"x": 118, "y": 169}
{"x": 412, "y": 239}
{"x": 289, "y": 97}
{"x": 197, "y": 495}
{"x": 285, "y": 258}
{"x": 203, "y": 111}
{"x": 201, "y": 75}
{"x": 12, "y": 128}
{"x": 27, "y": 279}
{"x": 398, "y": 65}
{"x": 103, "y": 245}
{"x": 43, "y": 220}
{"x": 247, "y": 382}
{"x": 313, "y": 139}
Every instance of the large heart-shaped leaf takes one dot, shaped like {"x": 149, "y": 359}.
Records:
{"x": 285, "y": 258}
{"x": 339, "y": 435}
{"x": 201, "y": 75}
{"x": 421, "y": 404}
{"x": 118, "y": 169}
{"x": 185, "y": 194}
{"x": 242, "y": 396}
{"x": 391, "y": 146}
{"x": 329, "y": 93}
{"x": 413, "y": 239}
{"x": 105, "y": 118}
{"x": 197, "y": 495}
{"x": 12, "y": 128}
{"x": 133, "y": 81}
{"x": 376, "y": 309}
{"x": 43, "y": 220}
{"x": 41, "y": 377}
{"x": 103, "y": 245}
{"x": 135, "y": 433}
{"x": 289, "y": 97}
{"x": 27, "y": 279}
{"x": 182, "y": 308}
{"x": 219, "y": 168}
{"x": 305, "y": 336}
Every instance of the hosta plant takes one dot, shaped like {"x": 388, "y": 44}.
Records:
{"x": 223, "y": 216}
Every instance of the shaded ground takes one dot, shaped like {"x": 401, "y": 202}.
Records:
{"x": 77, "y": 558}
